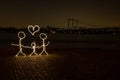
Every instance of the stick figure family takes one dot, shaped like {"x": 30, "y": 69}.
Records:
{"x": 32, "y": 30}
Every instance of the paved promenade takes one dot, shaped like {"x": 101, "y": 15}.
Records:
{"x": 23, "y": 68}
{"x": 83, "y": 64}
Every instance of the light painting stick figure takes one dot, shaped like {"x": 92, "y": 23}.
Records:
{"x": 20, "y": 44}
{"x": 43, "y": 36}
{"x": 33, "y": 46}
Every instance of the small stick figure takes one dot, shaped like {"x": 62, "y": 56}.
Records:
{"x": 43, "y": 36}
{"x": 20, "y": 44}
{"x": 33, "y": 46}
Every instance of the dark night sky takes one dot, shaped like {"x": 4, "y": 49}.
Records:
{"x": 21, "y": 13}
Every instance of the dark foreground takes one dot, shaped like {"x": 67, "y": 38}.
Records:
{"x": 65, "y": 64}
{"x": 71, "y": 57}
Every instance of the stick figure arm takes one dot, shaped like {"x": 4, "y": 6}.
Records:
{"x": 14, "y": 44}
{"x": 47, "y": 43}
{"x": 26, "y": 47}
{"x": 39, "y": 46}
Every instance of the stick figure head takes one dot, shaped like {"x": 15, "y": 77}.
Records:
{"x": 33, "y": 44}
{"x": 43, "y": 36}
{"x": 21, "y": 35}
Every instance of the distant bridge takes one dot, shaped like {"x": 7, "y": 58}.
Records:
{"x": 73, "y": 23}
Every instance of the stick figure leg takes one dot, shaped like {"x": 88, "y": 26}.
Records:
{"x": 33, "y": 53}
{"x": 46, "y": 53}
{"x": 41, "y": 53}
{"x": 20, "y": 53}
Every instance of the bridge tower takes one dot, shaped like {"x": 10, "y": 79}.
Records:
{"x": 72, "y": 23}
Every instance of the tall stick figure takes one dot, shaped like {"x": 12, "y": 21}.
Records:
{"x": 20, "y": 44}
{"x": 43, "y": 36}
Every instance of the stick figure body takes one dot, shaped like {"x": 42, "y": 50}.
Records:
{"x": 20, "y": 43}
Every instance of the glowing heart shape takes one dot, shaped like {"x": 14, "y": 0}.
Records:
{"x": 33, "y": 29}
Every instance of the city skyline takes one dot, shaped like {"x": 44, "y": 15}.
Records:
{"x": 55, "y": 13}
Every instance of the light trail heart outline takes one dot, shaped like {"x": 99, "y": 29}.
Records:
{"x": 33, "y": 28}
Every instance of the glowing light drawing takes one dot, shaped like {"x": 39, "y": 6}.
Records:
{"x": 33, "y": 46}
{"x": 43, "y": 36}
{"x": 33, "y": 31}
{"x": 20, "y": 44}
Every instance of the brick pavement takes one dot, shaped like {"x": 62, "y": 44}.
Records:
{"x": 23, "y": 68}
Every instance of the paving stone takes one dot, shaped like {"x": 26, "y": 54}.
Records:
{"x": 23, "y": 68}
